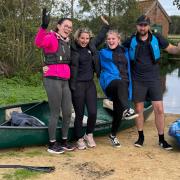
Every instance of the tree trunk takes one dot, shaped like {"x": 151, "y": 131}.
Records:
{"x": 72, "y": 9}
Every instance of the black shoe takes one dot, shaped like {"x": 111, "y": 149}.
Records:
{"x": 139, "y": 142}
{"x": 55, "y": 148}
{"x": 165, "y": 145}
{"x": 129, "y": 114}
{"x": 68, "y": 147}
{"x": 114, "y": 140}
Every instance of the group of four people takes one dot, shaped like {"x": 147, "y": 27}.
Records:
{"x": 130, "y": 70}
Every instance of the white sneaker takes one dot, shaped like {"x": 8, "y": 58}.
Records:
{"x": 89, "y": 139}
{"x": 129, "y": 114}
{"x": 81, "y": 144}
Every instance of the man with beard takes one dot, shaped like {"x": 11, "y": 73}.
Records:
{"x": 144, "y": 50}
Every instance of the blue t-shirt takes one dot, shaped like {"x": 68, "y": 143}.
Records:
{"x": 144, "y": 69}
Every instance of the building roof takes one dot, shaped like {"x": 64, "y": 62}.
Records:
{"x": 147, "y": 5}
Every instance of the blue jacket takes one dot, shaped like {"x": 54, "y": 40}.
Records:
{"x": 109, "y": 70}
{"x": 155, "y": 50}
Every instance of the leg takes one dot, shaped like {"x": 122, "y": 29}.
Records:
{"x": 66, "y": 115}
{"x": 91, "y": 104}
{"x": 139, "y": 96}
{"x": 159, "y": 116}
{"x": 159, "y": 121}
{"x": 117, "y": 116}
{"x": 66, "y": 109}
{"x": 54, "y": 93}
{"x": 122, "y": 94}
{"x": 118, "y": 107}
{"x": 113, "y": 91}
{"x": 78, "y": 99}
{"x": 139, "y": 108}
{"x": 155, "y": 93}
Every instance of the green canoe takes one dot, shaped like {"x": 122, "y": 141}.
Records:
{"x": 15, "y": 136}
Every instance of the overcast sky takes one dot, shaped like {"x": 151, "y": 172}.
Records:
{"x": 168, "y": 6}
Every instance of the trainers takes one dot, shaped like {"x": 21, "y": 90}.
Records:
{"x": 89, "y": 140}
{"x": 129, "y": 114}
{"x": 55, "y": 148}
{"x": 114, "y": 140}
{"x": 165, "y": 145}
{"x": 139, "y": 142}
{"x": 68, "y": 147}
{"x": 81, "y": 144}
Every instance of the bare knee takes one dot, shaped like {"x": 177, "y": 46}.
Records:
{"x": 139, "y": 108}
{"x": 158, "y": 108}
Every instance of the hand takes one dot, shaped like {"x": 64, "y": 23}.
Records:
{"x": 45, "y": 19}
{"x": 45, "y": 69}
{"x": 104, "y": 20}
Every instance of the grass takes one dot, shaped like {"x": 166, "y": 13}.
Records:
{"x": 10, "y": 154}
{"x": 16, "y": 90}
{"x": 24, "y": 153}
{"x": 13, "y": 92}
{"x": 21, "y": 174}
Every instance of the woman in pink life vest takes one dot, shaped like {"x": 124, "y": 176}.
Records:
{"x": 56, "y": 48}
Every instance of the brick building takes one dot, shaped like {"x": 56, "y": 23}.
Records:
{"x": 159, "y": 18}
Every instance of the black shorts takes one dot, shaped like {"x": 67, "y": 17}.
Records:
{"x": 147, "y": 91}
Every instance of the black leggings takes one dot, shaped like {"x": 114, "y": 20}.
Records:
{"x": 118, "y": 91}
{"x": 84, "y": 95}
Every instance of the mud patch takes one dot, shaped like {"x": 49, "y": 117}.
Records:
{"x": 92, "y": 170}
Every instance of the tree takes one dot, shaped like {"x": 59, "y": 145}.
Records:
{"x": 122, "y": 13}
{"x": 108, "y": 7}
{"x": 175, "y": 25}
{"x": 177, "y": 3}
{"x": 65, "y": 8}
{"x": 18, "y": 24}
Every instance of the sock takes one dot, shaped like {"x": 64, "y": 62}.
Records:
{"x": 52, "y": 142}
{"x": 141, "y": 135}
{"x": 161, "y": 137}
{"x": 113, "y": 135}
{"x": 64, "y": 141}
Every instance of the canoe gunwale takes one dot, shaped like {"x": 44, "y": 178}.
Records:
{"x": 84, "y": 125}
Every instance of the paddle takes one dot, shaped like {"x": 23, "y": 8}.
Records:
{"x": 31, "y": 168}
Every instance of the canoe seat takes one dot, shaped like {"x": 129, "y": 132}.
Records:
{"x": 108, "y": 104}
{"x": 8, "y": 112}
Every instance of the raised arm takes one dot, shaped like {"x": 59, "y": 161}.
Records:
{"x": 41, "y": 41}
{"x": 171, "y": 49}
{"x": 102, "y": 33}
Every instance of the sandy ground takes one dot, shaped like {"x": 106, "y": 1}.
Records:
{"x": 106, "y": 162}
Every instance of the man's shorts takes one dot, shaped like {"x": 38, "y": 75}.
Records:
{"x": 147, "y": 91}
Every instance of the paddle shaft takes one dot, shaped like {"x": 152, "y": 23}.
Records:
{"x": 32, "y": 168}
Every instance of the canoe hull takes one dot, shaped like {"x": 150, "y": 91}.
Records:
{"x": 32, "y": 136}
